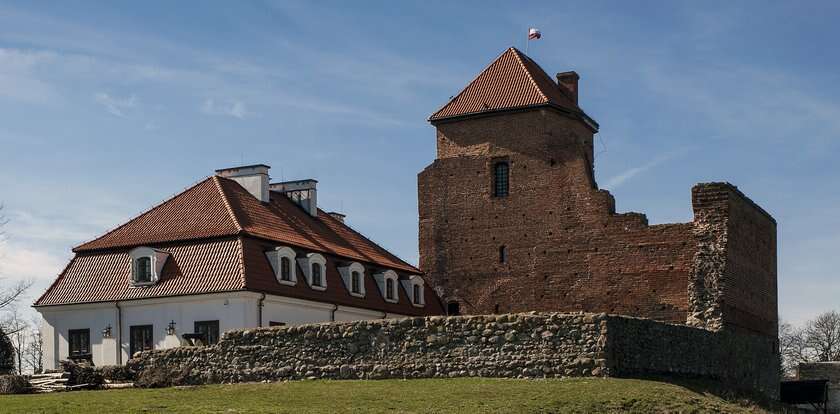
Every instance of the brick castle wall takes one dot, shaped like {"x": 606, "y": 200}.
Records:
{"x": 567, "y": 248}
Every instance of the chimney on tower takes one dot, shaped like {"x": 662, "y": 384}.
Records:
{"x": 568, "y": 83}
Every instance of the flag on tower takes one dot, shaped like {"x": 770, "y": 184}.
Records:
{"x": 534, "y": 33}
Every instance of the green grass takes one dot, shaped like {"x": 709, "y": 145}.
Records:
{"x": 463, "y": 395}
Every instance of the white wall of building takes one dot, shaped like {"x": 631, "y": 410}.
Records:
{"x": 237, "y": 310}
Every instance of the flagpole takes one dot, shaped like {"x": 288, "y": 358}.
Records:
{"x": 527, "y": 40}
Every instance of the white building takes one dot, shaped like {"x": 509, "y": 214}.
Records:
{"x": 231, "y": 252}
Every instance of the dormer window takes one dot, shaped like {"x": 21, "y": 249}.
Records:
{"x": 317, "y": 278}
{"x": 356, "y": 278}
{"x": 285, "y": 269}
{"x": 353, "y": 277}
{"x": 282, "y": 261}
{"x": 387, "y": 283}
{"x": 414, "y": 288}
{"x": 314, "y": 268}
{"x": 389, "y": 289}
{"x": 143, "y": 270}
{"x": 146, "y": 265}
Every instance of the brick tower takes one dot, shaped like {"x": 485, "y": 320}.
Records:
{"x": 511, "y": 218}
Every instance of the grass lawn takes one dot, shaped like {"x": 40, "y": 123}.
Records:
{"x": 579, "y": 395}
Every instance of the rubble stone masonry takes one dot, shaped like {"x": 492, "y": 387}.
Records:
{"x": 566, "y": 249}
{"x": 533, "y": 345}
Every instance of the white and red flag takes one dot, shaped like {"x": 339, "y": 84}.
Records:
{"x": 534, "y": 33}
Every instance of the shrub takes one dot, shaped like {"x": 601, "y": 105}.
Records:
{"x": 14, "y": 384}
{"x": 7, "y": 355}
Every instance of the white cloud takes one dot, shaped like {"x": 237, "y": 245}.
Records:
{"x": 232, "y": 108}
{"x": 116, "y": 106}
{"x": 617, "y": 180}
{"x": 18, "y": 262}
{"x": 18, "y": 77}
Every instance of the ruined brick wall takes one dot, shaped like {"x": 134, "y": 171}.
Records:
{"x": 567, "y": 249}
{"x": 733, "y": 280}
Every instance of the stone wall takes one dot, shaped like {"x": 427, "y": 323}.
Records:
{"x": 743, "y": 361}
{"x": 546, "y": 345}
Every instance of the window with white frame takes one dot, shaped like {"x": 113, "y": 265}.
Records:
{"x": 387, "y": 283}
{"x": 314, "y": 267}
{"x": 353, "y": 277}
{"x": 356, "y": 283}
{"x": 414, "y": 288}
{"x": 282, "y": 261}
{"x": 146, "y": 265}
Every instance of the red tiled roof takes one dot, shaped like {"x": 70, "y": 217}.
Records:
{"x": 512, "y": 81}
{"x": 217, "y": 233}
{"x": 198, "y": 212}
{"x": 106, "y": 276}
{"x": 215, "y": 266}
{"x": 218, "y": 207}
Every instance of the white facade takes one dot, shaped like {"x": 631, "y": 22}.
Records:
{"x": 237, "y": 310}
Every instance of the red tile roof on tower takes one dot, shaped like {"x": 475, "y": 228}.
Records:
{"x": 216, "y": 234}
{"x": 513, "y": 81}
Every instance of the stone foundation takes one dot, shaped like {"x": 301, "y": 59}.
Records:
{"x": 534, "y": 345}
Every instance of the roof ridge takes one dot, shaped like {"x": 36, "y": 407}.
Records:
{"x": 144, "y": 213}
{"x": 370, "y": 240}
{"x": 518, "y": 55}
{"x": 217, "y": 181}
{"x": 454, "y": 98}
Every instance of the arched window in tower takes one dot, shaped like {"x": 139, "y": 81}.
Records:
{"x": 501, "y": 179}
{"x": 502, "y": 254}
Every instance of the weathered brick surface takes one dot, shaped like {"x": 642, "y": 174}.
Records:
{"x": 567, "y": 248}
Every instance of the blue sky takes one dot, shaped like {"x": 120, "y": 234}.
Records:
{"x": 107, "y": 109}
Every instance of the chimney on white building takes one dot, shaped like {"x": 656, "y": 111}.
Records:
{"x": 303, "y": 192}
{"x": 338, "y": 216}
{"x": 253, "y": 178}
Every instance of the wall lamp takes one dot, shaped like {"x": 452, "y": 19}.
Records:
{"x": 170, "y": 329}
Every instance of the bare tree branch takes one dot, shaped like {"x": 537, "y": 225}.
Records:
{"x": 33, "y": 354}
{"x": 794, "y": 348}
{"x": 3, "y": 221}
{"x": 9, "y": 295}
{"x": 823, "y": 336}
{"x": 10, "y": 292}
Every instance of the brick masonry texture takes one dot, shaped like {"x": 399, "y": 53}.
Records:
{"x": 567, "y": 248}
{"x": 533, "y": 345}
